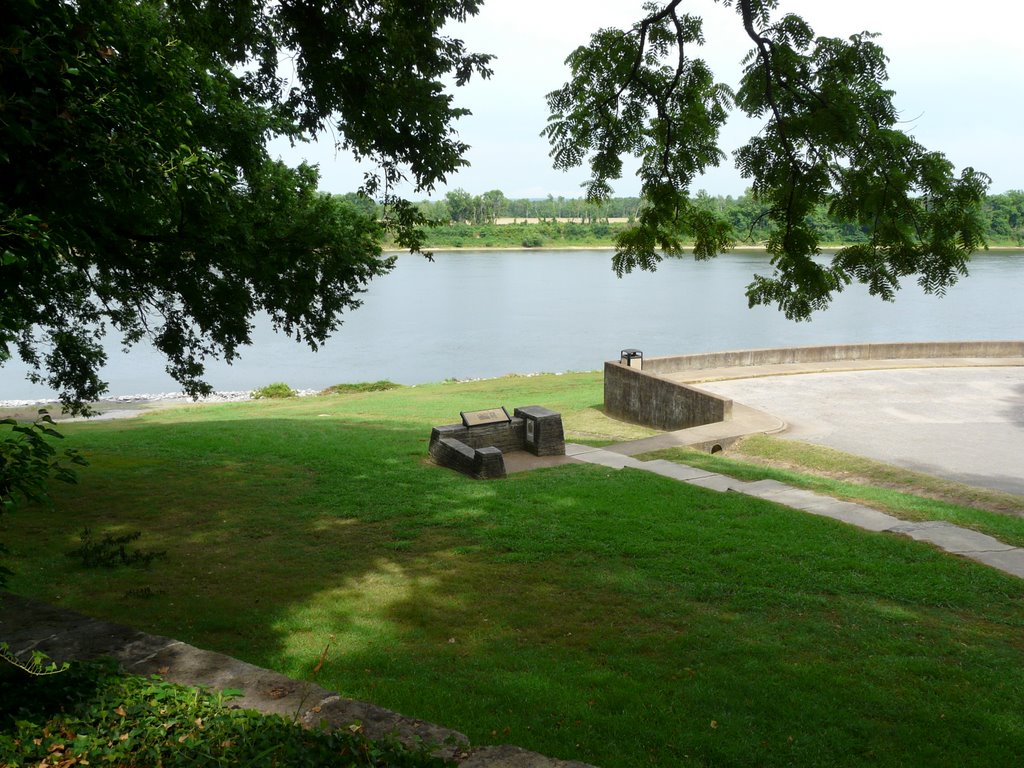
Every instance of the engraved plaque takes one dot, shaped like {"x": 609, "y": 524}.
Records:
{"x": 487, "y": 416}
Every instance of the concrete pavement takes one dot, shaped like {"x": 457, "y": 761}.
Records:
{"x": 965, "y": 423}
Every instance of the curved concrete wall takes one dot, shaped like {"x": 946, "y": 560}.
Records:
{"x": 782, "y": 355}
{"x": 644, "y": 397}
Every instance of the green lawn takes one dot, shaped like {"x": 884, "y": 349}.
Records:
{"x": 618, "y": 618}
{"x": 902, "y": 493}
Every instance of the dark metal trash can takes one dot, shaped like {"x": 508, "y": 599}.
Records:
{"x": 634, "y": 358}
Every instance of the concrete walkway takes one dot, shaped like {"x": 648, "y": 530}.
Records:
{"x": 950, "y": 538}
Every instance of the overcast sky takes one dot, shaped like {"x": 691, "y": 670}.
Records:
{"x": 957, "y": 69}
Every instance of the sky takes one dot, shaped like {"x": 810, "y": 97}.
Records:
{"x": 956, "y": 68}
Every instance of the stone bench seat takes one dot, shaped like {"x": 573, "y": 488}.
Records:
{"x": 482, "y": 463}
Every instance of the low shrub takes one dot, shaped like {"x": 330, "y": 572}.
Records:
{"x": 277, "y": 390}
{"x": 362, "y": 386}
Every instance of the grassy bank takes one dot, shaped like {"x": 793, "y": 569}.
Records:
{"x": 568, "y": 234}
{"x": 617, "y": 618}
{"x": 545, "y": 234}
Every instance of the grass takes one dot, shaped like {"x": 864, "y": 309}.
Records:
{"x": 845, "y": 466}
{"x": 617, "y": 618}
{"x": 903, "y": 493}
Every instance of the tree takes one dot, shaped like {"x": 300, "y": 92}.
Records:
{"x": 494, "y": 204}
{"x": 138, "y": 193}
{"x": 1006, "y": 215}
{"x": 829, "y": 137}
{"x": 460, "y": 205}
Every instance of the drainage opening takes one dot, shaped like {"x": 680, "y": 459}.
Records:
{"x": 716, "y": 448}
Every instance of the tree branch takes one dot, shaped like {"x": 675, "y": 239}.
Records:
{"x": 642, "y": 28}
{"x": 680, "y": 66}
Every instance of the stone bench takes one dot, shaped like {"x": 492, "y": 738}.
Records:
{"x": 478, "y": 451}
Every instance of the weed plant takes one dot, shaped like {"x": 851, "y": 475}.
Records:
{"x": 112, "y": 551}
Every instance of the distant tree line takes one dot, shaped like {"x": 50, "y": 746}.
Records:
{"x": 459, "y": 211}
{"x": 461, "y": 207}
{"x": 1005, "y": 217}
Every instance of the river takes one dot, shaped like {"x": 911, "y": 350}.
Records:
{"x": 474, "y": 314}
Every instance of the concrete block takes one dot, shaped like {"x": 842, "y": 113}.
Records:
{"x": 575, "y": 449}
{"x": 488, "y": 464}
{"x": 543, "y": 434}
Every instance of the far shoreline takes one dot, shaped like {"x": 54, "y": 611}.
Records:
{"x": 688, "y": 248}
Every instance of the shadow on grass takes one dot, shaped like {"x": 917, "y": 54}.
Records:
{"x": 614, "y": 617}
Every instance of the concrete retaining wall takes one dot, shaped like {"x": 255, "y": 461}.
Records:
{"x": 644, "y": 397}
{"x": 639, "y": 396}
{"x": 783, "y": 355}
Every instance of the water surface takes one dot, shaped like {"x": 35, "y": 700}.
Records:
{"x": 476, "y": 314}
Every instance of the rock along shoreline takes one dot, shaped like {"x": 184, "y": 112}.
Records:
{"x": 124, "y": 406}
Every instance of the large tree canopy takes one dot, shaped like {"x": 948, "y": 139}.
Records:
{"x": 828, "y": 136}
{"x": 138, "y": 192}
